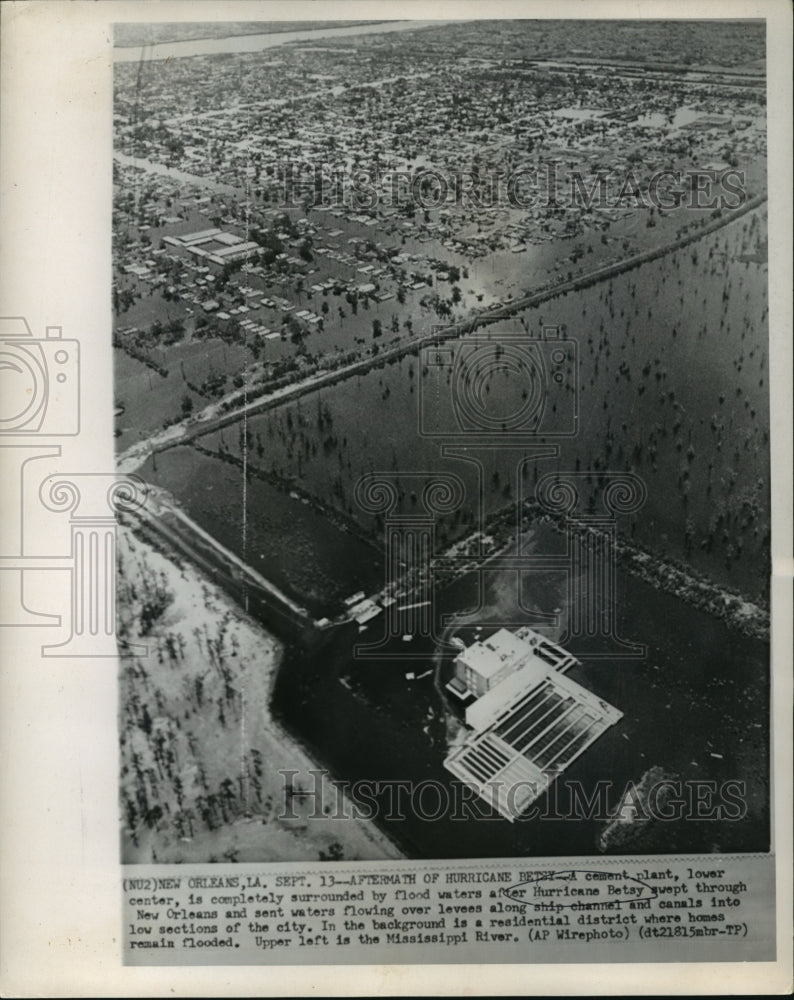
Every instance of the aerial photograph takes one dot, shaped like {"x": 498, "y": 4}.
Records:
{"x": 441, "y": 355}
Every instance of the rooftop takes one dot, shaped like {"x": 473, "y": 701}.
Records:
{"x": 491, "y": 655}
{"x": 527, "y": 730}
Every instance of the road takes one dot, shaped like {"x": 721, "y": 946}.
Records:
{"x": 253, "y": 591}
{"x": 175, "y": 174}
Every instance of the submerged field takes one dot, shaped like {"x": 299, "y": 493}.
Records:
{"x": 672, "y": 385}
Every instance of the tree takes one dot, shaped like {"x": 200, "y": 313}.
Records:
{"x": 335, "y": 852}
{"x": 377, "y": 328}
{"x": 145, "y": 721}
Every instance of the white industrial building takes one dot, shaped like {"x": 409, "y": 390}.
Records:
{"x": 529, "y": 721}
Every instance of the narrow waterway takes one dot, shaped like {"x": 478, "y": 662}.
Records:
{"x": 260, "y": 42}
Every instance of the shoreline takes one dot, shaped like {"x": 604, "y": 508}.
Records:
{"x": 199, "y": 750}
{"x": 257, "y": 30}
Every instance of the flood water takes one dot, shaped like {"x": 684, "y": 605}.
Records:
{"x": 699, "y": 680}
{"x": 671, "y": 383}
{"x": 312, "y": 560}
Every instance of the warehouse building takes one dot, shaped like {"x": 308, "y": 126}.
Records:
{"x": 529, "y": 721}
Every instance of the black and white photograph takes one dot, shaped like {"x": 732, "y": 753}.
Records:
{"x": 442, "y": 350}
